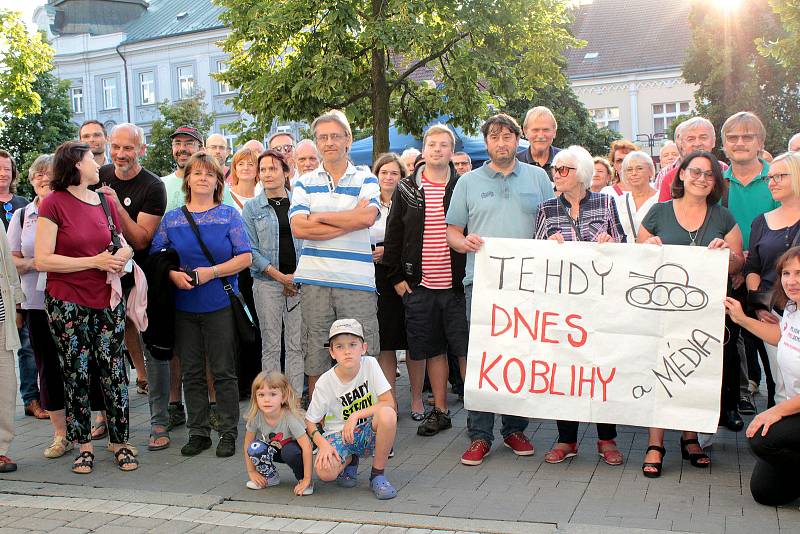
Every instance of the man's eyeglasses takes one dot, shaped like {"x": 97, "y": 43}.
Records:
{"x": 696, "y": 173}
{"x": 563, "y": 170}
{"x": 335, "y": 137}
{"x": 745, "y": 138}
{"x": 777, "y": 177}
{"x": 9, "y": 207}
{"x": 284, "y": 149}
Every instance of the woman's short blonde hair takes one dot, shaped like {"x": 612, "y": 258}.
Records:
{"x": 792, "y": 162}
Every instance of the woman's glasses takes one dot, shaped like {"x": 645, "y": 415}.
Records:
{"x": 563, "y": 170}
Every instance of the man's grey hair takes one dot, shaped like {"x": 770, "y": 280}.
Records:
{"x": 410, "y": 153}
{"x": 308, "y": 142}
{"x": 336, "y": 116}
{"x": 691, "y": 124}
{"x": 138, "y": 132}
{"x": 795, "y": 139}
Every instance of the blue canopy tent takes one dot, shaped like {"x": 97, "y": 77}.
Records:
{"x": 361, "y": 151}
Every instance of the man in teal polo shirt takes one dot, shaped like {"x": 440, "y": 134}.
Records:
{"x": 499, "y": 199}
{"x": 743, "y": 137}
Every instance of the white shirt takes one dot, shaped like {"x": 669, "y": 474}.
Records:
{"x": 629, "y": 216}
{"x": 787, "y": 374}
{"x": 377, "y": 232}
{"x": 334, "y": 400}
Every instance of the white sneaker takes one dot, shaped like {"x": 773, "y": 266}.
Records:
{"x": 309, "y": 490}
{"x": 252, "y": 485}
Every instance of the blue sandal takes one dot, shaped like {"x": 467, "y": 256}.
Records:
{"x": 348, "y": 477}
{"x": 382, "y": 488}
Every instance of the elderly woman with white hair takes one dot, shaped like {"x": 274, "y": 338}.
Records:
{"x": 579, "y": 214}
{"x": 639, "y": 196}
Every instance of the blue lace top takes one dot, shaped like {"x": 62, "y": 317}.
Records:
{"x": 224, "y": 234}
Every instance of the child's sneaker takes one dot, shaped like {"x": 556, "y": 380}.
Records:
{"x": 382, "y": 488}
{"x": 309, "y": 490}
{"x": 271, "y": 481}
{"x": 348, "y": 477}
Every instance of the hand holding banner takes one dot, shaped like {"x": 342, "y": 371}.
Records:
{"x": 611, "y": 333}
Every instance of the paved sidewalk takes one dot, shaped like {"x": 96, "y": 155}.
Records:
{"x": 505, "y": 494}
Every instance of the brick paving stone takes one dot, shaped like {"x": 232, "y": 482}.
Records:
{"x": 91, "y": 521}
{"x": 68, "y": 530}
{"x": 38, "y": 523}
{"x": 173, "y": 527}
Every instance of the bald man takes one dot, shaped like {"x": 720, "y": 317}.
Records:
{"x": 794, "y": 143}
{"x": 255, "y": 145}
{"x": 217, "y": 146}
{"x": 306, "y": 156}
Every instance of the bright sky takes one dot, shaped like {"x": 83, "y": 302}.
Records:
{"x": 26, "y": 6}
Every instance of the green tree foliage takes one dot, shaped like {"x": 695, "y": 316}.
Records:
{"x": 724, "y": 61}
{"x": 294, "y": 59}
{"x": 37, "y": 133}
{"x": 188, "y": 112}
{"x": 786, "y": 47}
{"x": 23, "y": 57}
{"x": 575, "y": 126}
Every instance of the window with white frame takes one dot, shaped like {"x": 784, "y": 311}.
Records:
{"x": 664, "y": 114}
{"x": 76, "y": 96}
{"x": 224, "y": 88}
{"x": 147, "y": 88}
{"x": 109, "y": 86}
{"x": 185, "y": 82}
{"x": 606, "y": 118}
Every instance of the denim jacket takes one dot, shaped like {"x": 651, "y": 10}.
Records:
{"x": 263, "y": 228}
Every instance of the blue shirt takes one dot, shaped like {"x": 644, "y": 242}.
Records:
{"x": 344, "y": 261}
{"x": 224, "y": 234}
{"x": 493, "y": 205}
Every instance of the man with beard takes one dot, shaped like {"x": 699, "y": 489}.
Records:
{"x": 140, "y": 200}
{"x": 498, "y": 199}
{"x": 540, "y": 129}
{"x": 93, "y": 133}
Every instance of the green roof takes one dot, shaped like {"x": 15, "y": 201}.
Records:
{"x": 161, "y": 19}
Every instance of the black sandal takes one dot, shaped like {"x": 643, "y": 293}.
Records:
{"x": 125, "y": 457}
{"x": 83, "y": 460}
{"x": 656, "y": 465}
{"x": 694, "y": 457}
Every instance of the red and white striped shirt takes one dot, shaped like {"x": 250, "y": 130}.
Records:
{"x": 436, "y": 271}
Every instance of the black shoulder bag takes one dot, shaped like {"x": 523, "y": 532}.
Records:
{"x": 116, "y": 244}
{"x": 245, "y": 329}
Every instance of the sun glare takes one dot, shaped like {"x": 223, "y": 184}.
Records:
{"x": 727, "y": 5}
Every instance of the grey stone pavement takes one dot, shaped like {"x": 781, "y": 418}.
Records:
{"x": 171, "y": 493}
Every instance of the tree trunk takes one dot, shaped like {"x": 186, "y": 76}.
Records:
{"x": 380, "y": 104}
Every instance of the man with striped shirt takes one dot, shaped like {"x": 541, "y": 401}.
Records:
{"x": 332, "y": 209}
{"x": 427, "y": 274}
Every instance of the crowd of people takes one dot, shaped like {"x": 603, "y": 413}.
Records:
{"x": 291, "y": 276}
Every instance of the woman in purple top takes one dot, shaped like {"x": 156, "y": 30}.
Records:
{"x": 204, "y": 329}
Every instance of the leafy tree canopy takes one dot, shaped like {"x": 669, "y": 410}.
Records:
{"x": 40, "y": 132}
{"x": 724, "y": 61}
{"x": 23, "y": 57}
{"x": 575, "y": 126}
{"x": 294, "y": 59}
{"x": 188, "y": 112}
{"x": 786, "y": 47}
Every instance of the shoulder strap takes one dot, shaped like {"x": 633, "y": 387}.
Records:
{"x": 111, "y": 226}
{"x": 796, "y": 239}
{"x": 193, "y": 225}
{"x": 630, "y": 215}
{"x": 22, "y": 217}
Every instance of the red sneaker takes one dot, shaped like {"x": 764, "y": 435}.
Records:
{"x": 518, "y": 443}
{"x": 477, "y": 451}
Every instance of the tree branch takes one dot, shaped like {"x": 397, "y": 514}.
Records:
{"x": 422, "y": 62}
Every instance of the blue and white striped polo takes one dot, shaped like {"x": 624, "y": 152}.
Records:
{"x": 345, "y": 261}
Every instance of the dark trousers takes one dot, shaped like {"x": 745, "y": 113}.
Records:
{"x": 290, "y": 454}
{"x": 45, "y": 352}
{"x": 775, "y": 476}
{"x": 731, "y": 367}
{"x": 91, "y": 342}
{"x": 568, "y": 431}
{"x": 754, "y": 350}
{"x": 211, "y": 336}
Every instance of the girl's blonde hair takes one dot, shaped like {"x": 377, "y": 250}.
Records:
{"x": 274, "y": 380}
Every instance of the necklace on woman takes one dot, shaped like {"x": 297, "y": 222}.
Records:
{"x": 278, "y": 200}
{"x": 693, "y": 237}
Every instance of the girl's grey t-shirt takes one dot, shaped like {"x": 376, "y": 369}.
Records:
{"x": 289, "y": 427}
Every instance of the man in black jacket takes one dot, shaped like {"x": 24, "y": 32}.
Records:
{"x": 427, "y": 274}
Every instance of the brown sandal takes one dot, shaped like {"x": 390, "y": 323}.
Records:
{"x": 34, "y": 409}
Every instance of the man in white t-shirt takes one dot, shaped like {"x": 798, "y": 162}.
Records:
{"x": 354, "y": 402}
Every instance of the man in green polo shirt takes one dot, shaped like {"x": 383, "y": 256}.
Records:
{"x": 748, "y": 197}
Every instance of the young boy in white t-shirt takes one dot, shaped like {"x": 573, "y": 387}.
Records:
{"x": 355, "y": 401}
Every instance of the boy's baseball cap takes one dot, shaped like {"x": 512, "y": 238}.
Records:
{"x": 346, "y": 326}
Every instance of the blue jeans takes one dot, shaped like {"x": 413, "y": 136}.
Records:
{"x": 480, "y": 425}
{"x": 28, "y": 375}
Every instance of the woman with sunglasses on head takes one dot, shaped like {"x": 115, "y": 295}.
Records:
{"x": 578, "y": 214}
{"x": 772, "y": 234}
{"x": 692, "y": 218}
{"x": 275, "y": 255}
{"x": 76, "y": 244}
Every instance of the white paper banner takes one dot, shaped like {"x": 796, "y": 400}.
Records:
{"x": 611, "y": 333}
